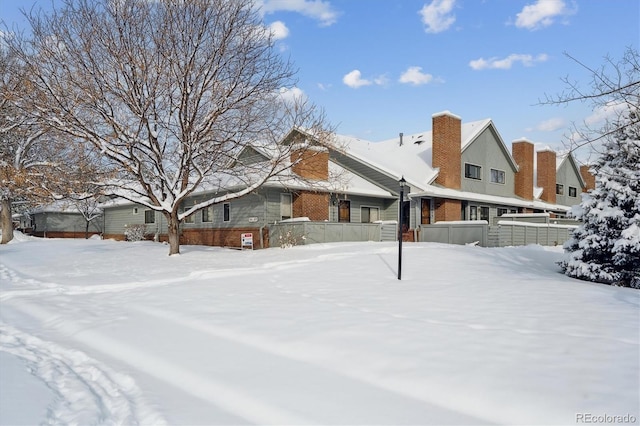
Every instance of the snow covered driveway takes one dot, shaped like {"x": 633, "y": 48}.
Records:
{"x": 119, "y": 333}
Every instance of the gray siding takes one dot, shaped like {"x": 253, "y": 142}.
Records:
{"x": 567, "y": 176}
{"x": 387, "y": 208}
{"x": 486, "y": 151}
{"x": 246, "y": 211}
{"x": 64, "y": 222}
{"x": 116, "y": 218}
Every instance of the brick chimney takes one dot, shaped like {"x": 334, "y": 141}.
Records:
{"x": 547, "y": 175}
{"x": 523, "y": 155}
{"x": 446, "y": 148}
{"x": 310, "y": 162}
{"x": 588, "y": 177}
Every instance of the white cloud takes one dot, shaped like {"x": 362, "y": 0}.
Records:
{"x": 608, "y": 112}
{"x": 354, "y": 80}
{"x": 506, "y": 63}
{"x": 542, "y": 13}
{"x": 437, "y": 16}
{"x": 319, "y": 10}
{"x": 292, "y": 94}
{"x": 551, "y": 125}
{"x": 279, "y": 30}
{"x": 415, "y": 76}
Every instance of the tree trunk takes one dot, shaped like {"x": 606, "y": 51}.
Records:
{"x": 5, "y": 221}
{"x": 86, "y": 230}
{"x": 173, "y": 233}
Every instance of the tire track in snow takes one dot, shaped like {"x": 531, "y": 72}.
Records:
{"x": 86, "y": 391}
{"x": 233, "y": 401}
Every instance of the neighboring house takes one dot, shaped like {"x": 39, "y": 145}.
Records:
{"x": 464, "y": 171}
{"x": 454, "y": 172}
{"x": 316, "y": 188}
{"x": 62, "y": 219}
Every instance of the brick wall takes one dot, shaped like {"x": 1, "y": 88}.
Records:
{"x": 311, "y": 163}
{"x": 547, "y": 175}
{"x": 523, "y": 155}
{"x": 314, "y": 205}
{"x": 447, "y": 210}
{"x": 222, "y": 237}
{"x": 589, "y": 178}
{"x": 446, "y": 153}
{"x": 63, "y": 234}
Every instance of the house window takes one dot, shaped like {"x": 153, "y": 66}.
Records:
{"x": 559, "y": 189}
{"x": 573, "y": 192}
{"x": 207, "y": 214}
{"x": 369, "y": 214}
{"x": 344, "y": 211}
{"x": 497, "y": 176}
{"x": 135, "y": 210}
{"x": 226, "y": 212}
{"x": 149, "y": 216}
{"x": 472, "y": 171}
{"x": 473, "y": 212}
{"x": 484, "y": 213}
{"x": 191, "y": 218}
{"x": 502, "y": 211}
{"x": 286, "y": 210}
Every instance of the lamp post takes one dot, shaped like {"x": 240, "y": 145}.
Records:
{"x": 402, "y": 183}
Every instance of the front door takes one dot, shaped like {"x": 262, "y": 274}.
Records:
{"x": 344, "y": 211}
{"x": 425, "y": 211}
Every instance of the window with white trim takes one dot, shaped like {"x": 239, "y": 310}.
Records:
{"x": 207, "y": 214}
{"x": 149, "y": 216}
{"x": 497, "y": 176}
{"x": 369, "y": 214}
{"x": 573, "y": 192}
{"x": 484, "y": 213}
{"x": 473, "y": 212}
{"x": 559, "y": 189}
{"x": 191, "y": 218}
{"x": 471, "y": 171}
{"x": 226, "y": 212}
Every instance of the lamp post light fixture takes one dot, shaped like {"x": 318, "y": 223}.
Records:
{"x": 402, "y": 183}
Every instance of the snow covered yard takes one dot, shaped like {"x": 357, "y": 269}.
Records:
{"x": 104, "y": 332}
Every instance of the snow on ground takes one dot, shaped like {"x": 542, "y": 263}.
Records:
{"x": 105, "y": 332}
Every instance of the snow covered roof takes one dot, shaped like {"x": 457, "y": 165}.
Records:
{"x": 59, "y": 206}
{"x": 412, "y": 158}
{"x": 341, "y": 180}
{"x": 493, "y": 199}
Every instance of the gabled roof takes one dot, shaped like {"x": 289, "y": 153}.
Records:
{"x": 561, "y": 158}
{"x": 413, "y": 157}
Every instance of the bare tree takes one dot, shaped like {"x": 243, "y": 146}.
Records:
{"x": 170, "y": 93}
{"x": 613, "y": 92}
{"x": 29, "y": 152}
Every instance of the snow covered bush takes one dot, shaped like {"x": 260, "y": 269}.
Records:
{"x": 135, "y": 232}
{"x": 606, "y": 247}
{"x": 290, "y": 239}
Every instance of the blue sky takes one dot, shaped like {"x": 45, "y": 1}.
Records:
{"x": 380, "y": 67}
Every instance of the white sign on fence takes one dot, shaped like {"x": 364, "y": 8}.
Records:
{"x": 246, "y": 240}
